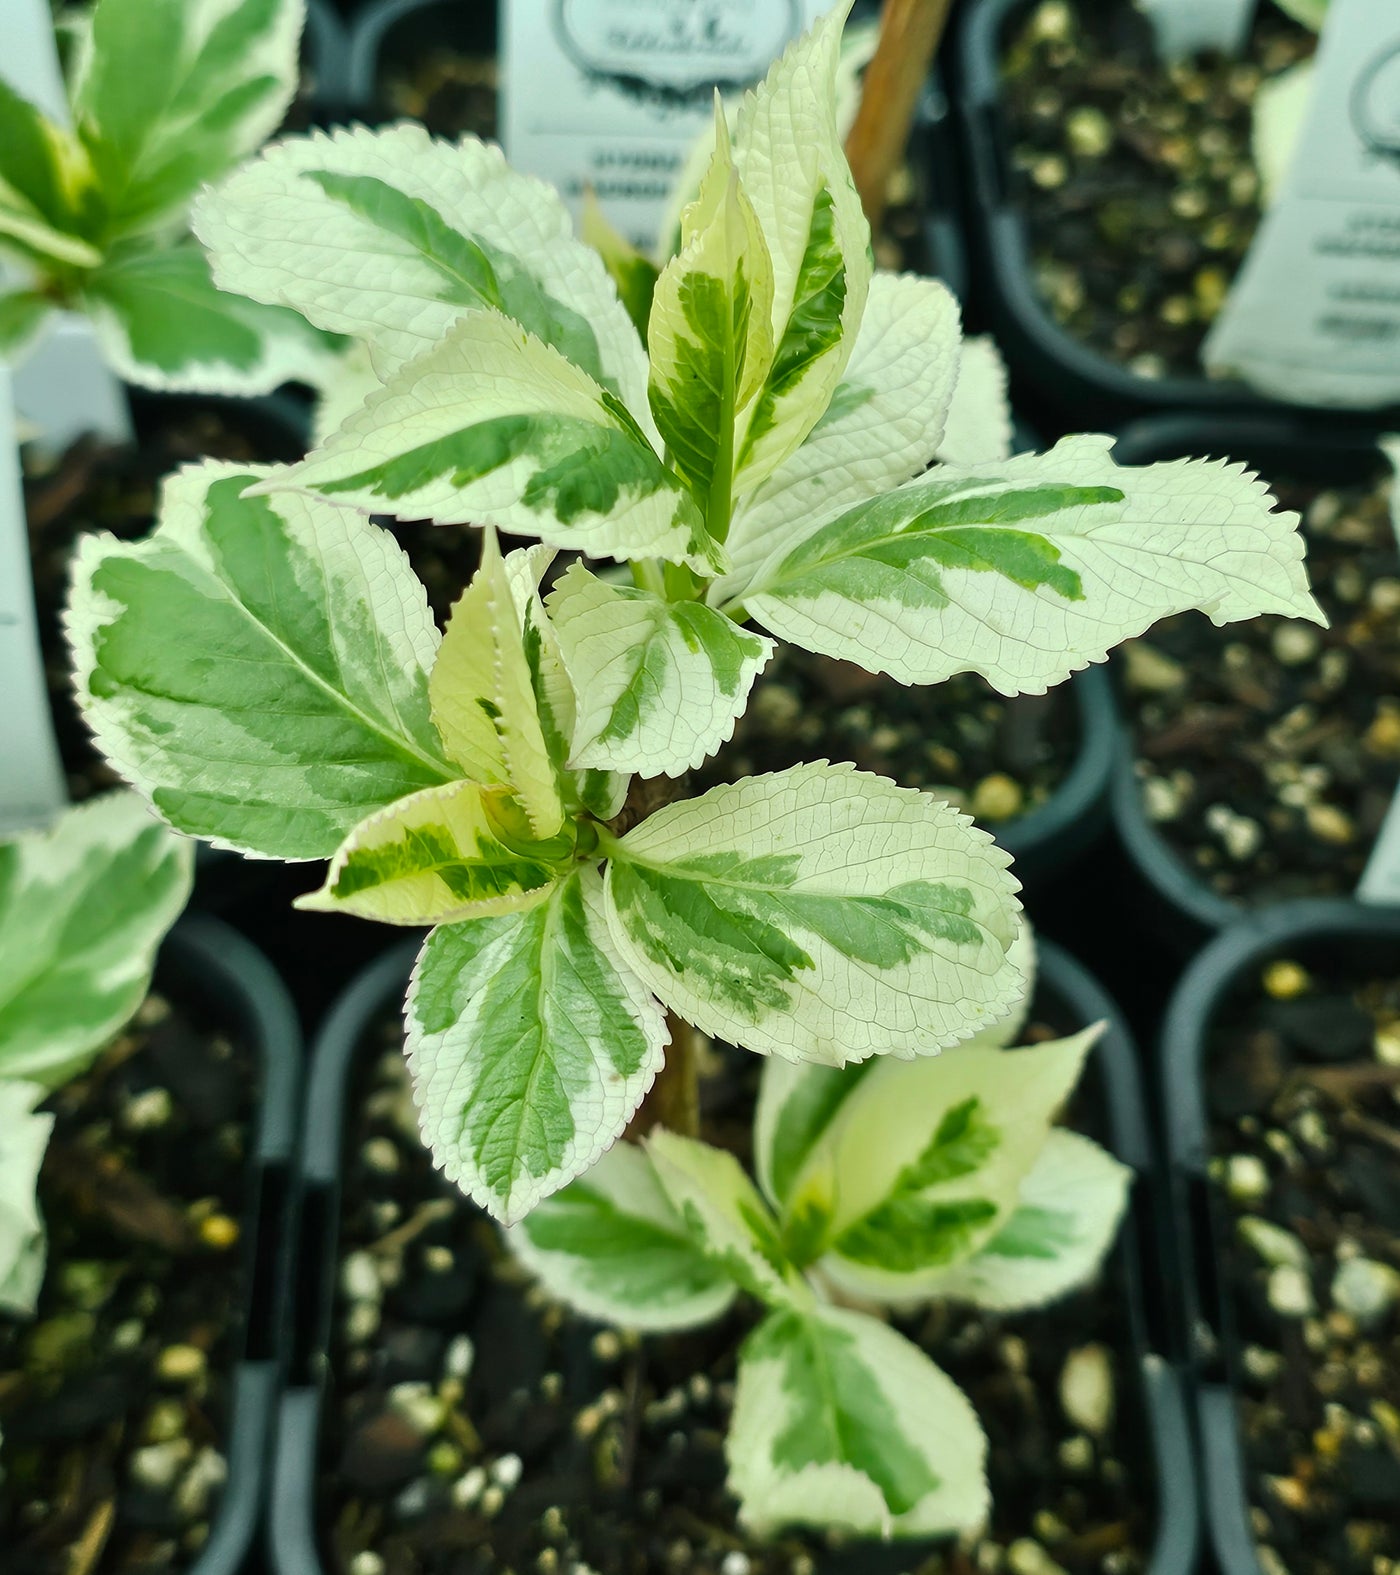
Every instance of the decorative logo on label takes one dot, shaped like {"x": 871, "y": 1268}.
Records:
{"x": 1375, "y": 103}
{"x": 676, "y": 51}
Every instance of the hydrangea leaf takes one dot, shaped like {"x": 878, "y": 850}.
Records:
{"x": 531, "y": 1045}
{"x": 884, "y": 424}
{"x": 49, "y": 201}
{"x": 929, "y": 1156}
{"x": 173, "y": 93}
{"x": 799, "y": 1103}
{"x": 839, "y": 1420}
{"x": 977, "y": 429}
{"x": 613, "y": 1246}
{"x": 83, "y": 909}
{"x": 819, "y": 914}
{"x": 258, "y": 667}
{"x": 437, "y": 857}
{"x": 23, "y": 314}
{"x": 163, "y": 324}
{"x": 1066, "y": 1217}
{"x": 482, "y": 692}
{"x": 660, "y": 684}
{"x": 792, "y": 167}
{"x": 1028, "y": 570}
{"x": 493, "y": 427}
{"x": 633, "y": 274}
{"x": 725, "y": 1216}
{"x": 710, "y": 335}
{"x": 392, "y": 235}
{"x": 24, "y": 1136}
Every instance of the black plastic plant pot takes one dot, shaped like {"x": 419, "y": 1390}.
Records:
{"x": 1274, "y": 445}
{"x": 393, "y": 36}
{"x": 1081, "y": 385}
{"x": 1357, "y": 941}
{"x": 1152, "y": 1400}
{"x": 227, "y": 987}
{"x": 1049, "y": 839}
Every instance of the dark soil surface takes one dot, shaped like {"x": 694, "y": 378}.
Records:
{"x": 998, "y": 758}
{"x": 1136, "y": 178}
{"x": 1269, "y": 751}
{"x": 115, "y": 1399}
{"x": 91, "y": 487}
{"x": 473, "y": 1426}
{"x": 1303, "y": 1076}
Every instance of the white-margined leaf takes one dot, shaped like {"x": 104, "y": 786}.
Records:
{"x": 928, "y": 1157}
{"x": 726, "y": 1217}
{"x": 83, "y": 909}
{"x": 710, "y": 335}
{"x": 977, "y": 429}
{"x": 883, "y": 425}
{"x": 162, "y": 323}
{"x": 819, "y": 914}
{"x": 794, "y": 172}
{"x": 440, "y": 856}
{"x": 614, "y": 1248}
{"x": 49, "y": 203}
{"x": 392, "y": 235}
{"x": 483, "y": 688}
{"x": 798, "y": 1103}
{"x": 343, "y": 387}
{"x": 660, "y": 684}
{"x": 531, "y": 1045}
{"x": 24, "y": 1136}
{"x": 493, "y": 427}
{"x": 840, "y": 1420}
{"x": 258, "y": 667}
{"x": 173, "y": 93}
{"x": 1066, "y": 1217}
{"x": 633, "y": 274}
{"x": 1028, "y": 570}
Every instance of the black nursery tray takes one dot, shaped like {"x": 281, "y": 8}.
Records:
{"x": 316, "y": 1529}
{"x": 218, "y": 984}
{"x": 1284, "y": 1461}
{"x": 1294, "y": 457}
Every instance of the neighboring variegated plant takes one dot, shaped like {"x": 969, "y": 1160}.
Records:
{"x": 265, "y": 666}
{"x": 890, "y": 1183}
{"x": 83, "y": 909}
{"x": 168, "y": 94}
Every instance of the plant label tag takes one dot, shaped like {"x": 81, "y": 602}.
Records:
{"x": 613, "y": 93}
{"x": 1190, "y": 27}
{"x": 1380, "y": 880}
{"x": 31, "y": 777}
{"x": 1314, "y": 317}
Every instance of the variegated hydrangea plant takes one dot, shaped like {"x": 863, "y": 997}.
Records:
{"x": 265, "y": 667}
{"x": 166, "y": 95}
{"x": 884, "y": 1185}
{"x": 83, "y": 908}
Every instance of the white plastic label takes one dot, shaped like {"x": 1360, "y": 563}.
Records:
{"x": 1190, "y": 27}
{"x": 31, "y": 778}
{"x": 613, "y": 93}
{"x": 1314, "y": 317}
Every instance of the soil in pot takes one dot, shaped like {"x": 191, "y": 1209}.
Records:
{"x": 1136, "y": 178}
{"x": 995, "y": 757}
{"x": 1303, "y": 1070}
{"x": 1269, "y": 751}
{"x": 115, "y": 1399}
{"x": 473, "y": 1426}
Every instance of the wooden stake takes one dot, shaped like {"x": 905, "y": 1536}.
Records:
{"x": 909, "y": 35}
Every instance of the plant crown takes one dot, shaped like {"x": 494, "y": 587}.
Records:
{"x": 83, "y": 909}
{"x": 266, "y": 669}
{"x": 884, "y": 1184}
{"x": 166, "y": 95}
